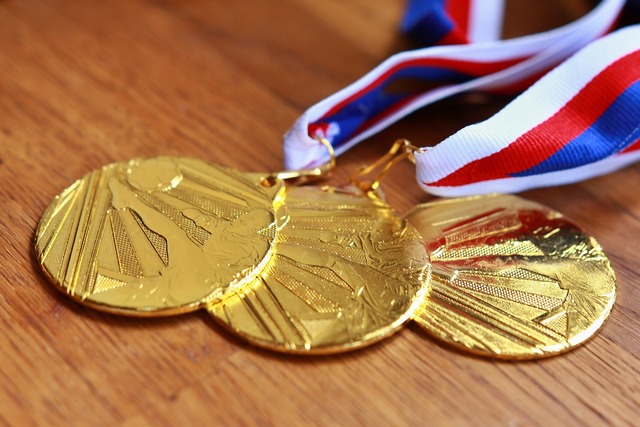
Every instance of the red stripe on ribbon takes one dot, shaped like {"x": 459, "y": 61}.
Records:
{"x": 454, "y": 37}
{"x": 550, "y": 136}
{"x": 460, "y": 12}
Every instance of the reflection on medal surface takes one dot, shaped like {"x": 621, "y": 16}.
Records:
{"x": 157, "y": 236}
{"x": 346, "y": 272}
{"x": 511, "y": 278}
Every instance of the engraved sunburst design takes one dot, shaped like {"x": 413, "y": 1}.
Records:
{"x": 511, "y": 278}
{"x": 347, "y": 272}
{"x": 157, "y": 236}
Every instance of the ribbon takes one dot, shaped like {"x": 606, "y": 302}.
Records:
{"x": 581, "y": 120}
{"x": 445, "y": 22}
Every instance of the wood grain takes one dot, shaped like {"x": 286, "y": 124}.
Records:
{"x": 86, "y": 83}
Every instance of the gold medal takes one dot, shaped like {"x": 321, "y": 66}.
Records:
{"x": 347, "y": 271}
{"x": 157, "y": 236}
{"x": 511, "y": 278}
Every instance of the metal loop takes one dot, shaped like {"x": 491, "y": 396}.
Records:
{"x": 400, "y": 150}
{"x": 304, "y": 176}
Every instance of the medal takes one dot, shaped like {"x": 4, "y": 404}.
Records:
{"x": 347, "y": 272}
{"x": 157, "y": 236}
{"x": 511, "y": 278}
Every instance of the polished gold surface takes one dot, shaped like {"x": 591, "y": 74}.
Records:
{"x": 347, "y": 272}
{"x": 511, "y": 278}
{"x": 157, "y": 236}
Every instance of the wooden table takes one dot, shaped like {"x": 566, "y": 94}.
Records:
{"x": 86, "y": 83}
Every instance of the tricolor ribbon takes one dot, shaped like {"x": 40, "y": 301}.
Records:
{"x": 579, "y": 121}
{"x": 444, "y": 22}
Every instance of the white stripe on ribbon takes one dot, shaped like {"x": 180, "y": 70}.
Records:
{"x": 485, "y": 23}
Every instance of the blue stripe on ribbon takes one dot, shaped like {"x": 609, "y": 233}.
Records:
{"x": 616, "y": 129}
{"x": 426, "y": 21}
{"x": 352, "y": 116}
